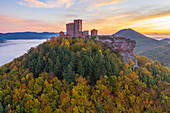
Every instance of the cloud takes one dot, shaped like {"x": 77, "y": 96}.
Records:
{"x": 106, "y": 2}
{"x": 65, "y": 3}
{"x": 108, "y": 16}
{"x": 135, "y": 17}
{"x": 155, "y": 14}
{"x": 32, "y": 3}
{"x": 46, "y": 3}
{"x": 143, "y": 22}
{"x": 71, "y": 16}
{"x": 11, "y": 23}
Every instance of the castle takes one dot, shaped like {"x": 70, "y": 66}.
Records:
{"x": 75, "y": 30}
{"x": 121, "y": 44}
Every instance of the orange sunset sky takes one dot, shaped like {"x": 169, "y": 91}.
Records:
{"x": 108, "y": 16}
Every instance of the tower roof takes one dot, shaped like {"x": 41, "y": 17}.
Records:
{"x": 93, "y": 30}
{"x": 70, "y": 23}
{"x": 78, "y": 20}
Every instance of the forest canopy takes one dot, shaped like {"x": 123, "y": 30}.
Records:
{"x": 81, "y": 75}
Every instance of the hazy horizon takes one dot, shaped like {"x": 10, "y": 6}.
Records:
{"x": 153, "y": 34}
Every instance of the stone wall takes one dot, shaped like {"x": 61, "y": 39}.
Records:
{"x": 123, "y": 45}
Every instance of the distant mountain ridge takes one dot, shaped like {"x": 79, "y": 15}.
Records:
{"x": 27, "y": 35}
{"x": 2, "y": 40}
{"x": 143, "y": 43}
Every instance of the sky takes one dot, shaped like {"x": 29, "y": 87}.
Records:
{"x": 107, "y": 16}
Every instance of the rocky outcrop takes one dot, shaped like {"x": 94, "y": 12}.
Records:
{"x": 123, "y": 45}
{"x": 143, "y": 43}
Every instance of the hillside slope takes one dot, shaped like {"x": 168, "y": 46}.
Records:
{"x": 162, "y": 54}
{"x": 79, "y": 75}
{"x": 143, "y": 43}
{"x": 166, "y": 40}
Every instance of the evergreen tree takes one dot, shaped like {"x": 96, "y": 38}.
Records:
{"x": 69, "y": 74}
{"x": 80, "y": 69}
{"x": 100, "y": 108}
{"x": 51, "y": 65}
{"x": 96, "y": 69}
{"x": 57, "y": 68}
{"x": 38, "y": 67}
{"x": 1, "y": 108}
{"x": 89, "y": 67}
{"x": 109, "y": 69}
{"x": 7, "y": 108}
{"x": 53, "y": 55}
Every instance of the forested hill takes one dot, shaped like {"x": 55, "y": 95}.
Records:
{"x": 82, "y": 75}
{"x": 162, "y": 54}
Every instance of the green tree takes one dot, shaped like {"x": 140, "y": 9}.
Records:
{"x": 38, "y": 67}
{"x": 57, "y": 68}
{"x": 51, "y": 65}
{"x": 1, "y": 108}
{"x": 100, "y": 108}
{"x": 80, "y": 69}
{"x": 7, "y": 108}
{"x": 69, "y": 74}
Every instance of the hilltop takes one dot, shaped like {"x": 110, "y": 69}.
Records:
{"x": 143, "y": 43}
{"x": 27, "y": 35}
{"x": 82, "y": 75}
{"x": 145, "y": 46}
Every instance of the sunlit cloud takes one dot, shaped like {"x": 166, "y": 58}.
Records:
{"x": 157, "y": 24}
{"x": 46, "y": 4}
{"x": 10, "y": 23}
{"x": 145, "y": 23}
{"x": 106, "y": 2}
{"x": 65, "y": 3}
{"x": 32, "y": 3}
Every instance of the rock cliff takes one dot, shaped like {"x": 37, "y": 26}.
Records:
{"x": 123, "y": 45}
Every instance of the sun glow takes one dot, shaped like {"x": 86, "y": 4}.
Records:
{"x": 159, "y": 25}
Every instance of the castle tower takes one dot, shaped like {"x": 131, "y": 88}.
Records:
{"x": 86, "y": 34}
{"x": 94, "y": 32}
{"x": 61, "y": 34}
{"x": 70, "y": 29}
{"x": 77, "y": 27}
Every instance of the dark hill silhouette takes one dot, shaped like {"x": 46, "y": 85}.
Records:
{"x": 143, "y": 43}
{"x": 2, "y": 40}
{"x": 27, "y": 35}
{"x": 165, "y": 40}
